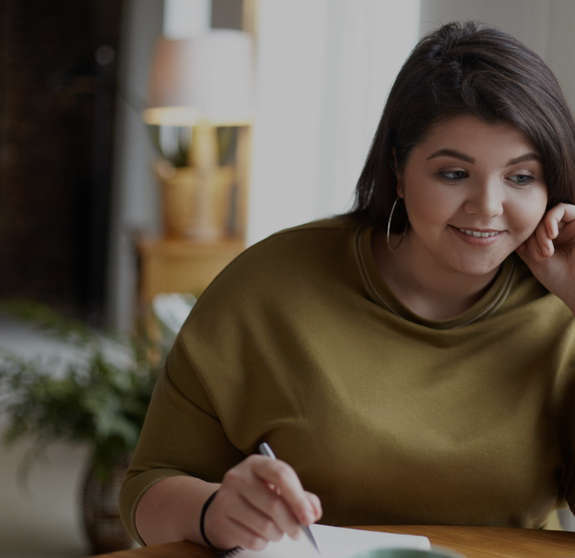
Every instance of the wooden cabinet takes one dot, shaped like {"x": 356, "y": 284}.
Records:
{"x": 175, "y": 266}
{"x": 181, "y": 266}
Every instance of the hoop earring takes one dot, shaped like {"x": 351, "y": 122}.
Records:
{"x": 389, "y": 228}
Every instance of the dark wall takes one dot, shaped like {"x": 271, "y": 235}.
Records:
{"x": 57, "y": 88}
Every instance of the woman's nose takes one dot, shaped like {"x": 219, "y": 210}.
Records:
{"x": 485, "y": 199}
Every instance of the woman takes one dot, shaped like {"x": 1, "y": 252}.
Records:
{"x": 414, "y": 360}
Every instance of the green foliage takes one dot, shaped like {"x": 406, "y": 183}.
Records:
{"x": 97, "y": 395}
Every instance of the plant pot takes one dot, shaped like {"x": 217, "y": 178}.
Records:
{"x": 195, "y": 207}
{"x": 101, "y": 510}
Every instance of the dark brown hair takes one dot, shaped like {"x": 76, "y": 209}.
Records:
{"x": 467, "y": 68}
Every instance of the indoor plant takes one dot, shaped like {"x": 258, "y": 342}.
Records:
{"x": 95, "y": 394}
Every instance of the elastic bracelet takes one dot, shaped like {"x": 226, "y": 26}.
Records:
{"x": 204, "y": 509}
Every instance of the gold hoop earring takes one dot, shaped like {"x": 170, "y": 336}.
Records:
{"x": 389, "y": 228}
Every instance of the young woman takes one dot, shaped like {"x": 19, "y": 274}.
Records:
{"x": 412, "y": 362}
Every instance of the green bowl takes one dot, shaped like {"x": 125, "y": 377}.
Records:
{"x": 408, "y": 553}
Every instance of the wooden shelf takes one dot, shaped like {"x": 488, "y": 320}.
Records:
{"x": 181, "y": 266}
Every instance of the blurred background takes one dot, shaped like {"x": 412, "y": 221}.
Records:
{"x": 84, "y": 224}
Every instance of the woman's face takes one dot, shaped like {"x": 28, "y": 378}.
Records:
{"x": 473, "y": 192}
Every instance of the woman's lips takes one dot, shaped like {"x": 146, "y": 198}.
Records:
{"x": 477, "y": 237}
{"x": 479, "y": 234}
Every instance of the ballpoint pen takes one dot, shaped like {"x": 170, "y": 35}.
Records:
{"x": 264, "y": 449}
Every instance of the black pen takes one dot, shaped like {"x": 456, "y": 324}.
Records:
{"x": 264, "y": 449}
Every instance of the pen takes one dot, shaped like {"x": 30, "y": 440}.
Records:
{"x": 264, "y": 449}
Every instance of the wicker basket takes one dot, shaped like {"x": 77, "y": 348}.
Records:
{"x": 101, "y": 511}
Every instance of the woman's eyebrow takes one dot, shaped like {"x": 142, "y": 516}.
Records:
{"x": 531, "y": 156}
{"x": 452, "y": 153}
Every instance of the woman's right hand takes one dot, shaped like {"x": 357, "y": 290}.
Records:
{"x": 259, "y": 500}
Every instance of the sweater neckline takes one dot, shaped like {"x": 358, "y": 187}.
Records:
{"x": 382, "y": 295}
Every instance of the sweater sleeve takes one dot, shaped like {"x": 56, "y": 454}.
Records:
{"x": 181, "y": 436}
{"x": 568, "y": 430}
{"x": 565, "y": 394}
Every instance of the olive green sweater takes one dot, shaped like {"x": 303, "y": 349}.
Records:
{"x": 388, "y": 417}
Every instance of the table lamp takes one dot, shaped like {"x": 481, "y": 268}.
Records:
{"x": 202, "y": 83}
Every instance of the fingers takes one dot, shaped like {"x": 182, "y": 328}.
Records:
{"x": 542, "y": 243}
{"x": 557, "y": 218}
{"x": 232, "y": 521}
{"x": 286, "y": 481}
{"x": 544, "y": 235}
{"x": 316, "y": 504}
{"x": 531, "y": 250}
{"x": 255, "y": 491}
{"x": 259, "y": 500}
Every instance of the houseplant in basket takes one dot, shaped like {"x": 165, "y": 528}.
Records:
{"x": 96, "y": 394}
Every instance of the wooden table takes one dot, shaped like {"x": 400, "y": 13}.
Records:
{"x": 473, "y": 542}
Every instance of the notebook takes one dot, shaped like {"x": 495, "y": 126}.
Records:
{"x": 334, "y": 542}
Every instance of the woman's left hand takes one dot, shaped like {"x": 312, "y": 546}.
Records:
{"x": 550, "y": 252}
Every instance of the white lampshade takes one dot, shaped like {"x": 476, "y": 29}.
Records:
{"x": 209, "y": 76}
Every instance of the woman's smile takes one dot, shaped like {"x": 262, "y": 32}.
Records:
{"x": 476, "y": 237}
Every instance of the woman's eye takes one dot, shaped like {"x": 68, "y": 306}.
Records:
{"x": 454, "y": 174}
{"x": 521, "y": 179}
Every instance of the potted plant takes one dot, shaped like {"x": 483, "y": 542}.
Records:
{"x": 97, "y": 394}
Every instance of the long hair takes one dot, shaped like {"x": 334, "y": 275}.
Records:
{"x": 467, "y": 68}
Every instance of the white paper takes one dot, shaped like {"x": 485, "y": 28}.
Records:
{"x": 335, "y": 542}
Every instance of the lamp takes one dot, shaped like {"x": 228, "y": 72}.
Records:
{"x": 202, "y": 83}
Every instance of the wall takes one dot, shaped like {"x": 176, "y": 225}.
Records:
{"x": 135, "y": 204}
{"x": 324, "y": 69}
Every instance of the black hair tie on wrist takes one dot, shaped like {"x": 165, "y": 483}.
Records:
{"x": 203, "y": 514}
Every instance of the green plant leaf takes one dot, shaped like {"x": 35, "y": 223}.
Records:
{"x": 98, "y": 396}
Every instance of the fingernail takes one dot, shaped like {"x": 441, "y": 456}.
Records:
{"x": 307, "y": 518}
